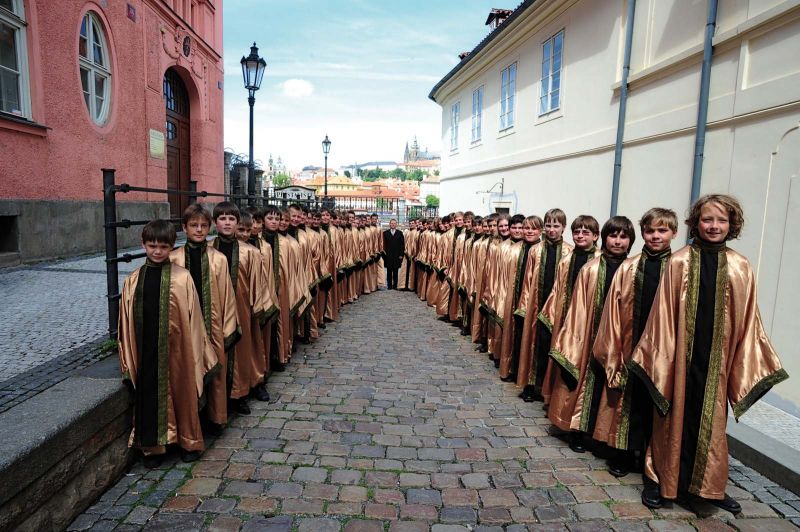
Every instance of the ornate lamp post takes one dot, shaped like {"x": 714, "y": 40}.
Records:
{"x": 326, "y": 149}
{"x": 253, "y": 68}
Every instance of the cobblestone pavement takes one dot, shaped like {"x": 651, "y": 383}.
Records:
{"x": 50, "y": 309}
{"x": 392, "y": 422}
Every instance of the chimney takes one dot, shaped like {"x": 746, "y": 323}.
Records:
{"x": 497, "y": 17}
{"x": 462, "y": 55}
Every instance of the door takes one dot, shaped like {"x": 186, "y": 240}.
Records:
{"x": 176, "y": 101}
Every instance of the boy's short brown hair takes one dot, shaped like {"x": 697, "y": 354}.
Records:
{"x": 246, "y": 219}
{"x": 658, "y": 216}
{"x": 729, "y": 203}
{"x": 160, "y": 231}
{"x": 585, "y": 220}
{"x": 533, "y": 221}
{"x": 556, "y": 215}
{"x": 226, "y": 207}
{"x": 196, "y": 210}
{"x": 618, "y": 224}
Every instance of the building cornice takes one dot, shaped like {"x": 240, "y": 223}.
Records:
{"x": 172, "y": 16}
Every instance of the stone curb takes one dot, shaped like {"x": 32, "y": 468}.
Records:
{"x": 773, "y": 459}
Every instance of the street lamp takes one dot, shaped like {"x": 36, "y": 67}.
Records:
{"x": 326, "y": 149}
{"x": 253, "y": 68}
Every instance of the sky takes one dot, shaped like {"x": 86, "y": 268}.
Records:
{"x": 359, "y": 71}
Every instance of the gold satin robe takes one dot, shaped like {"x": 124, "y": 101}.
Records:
{"x": 479, "y": 252}
{"x": 446, "y": 248}
{"x": 246, "y": 370}
{"x": 530, "y": 303}
{"x": 454, "y": 275}
{"x": 572, "y": 350}
{"x": 743, "y": 366}
{"x": 271, "y": 277}
{"x": 221, "y": 323}
{"x": 402, "y": 272}
{"x": 186, "y": 358}
{"x": 491, "y": 287}
{"x": 554, "y": 310}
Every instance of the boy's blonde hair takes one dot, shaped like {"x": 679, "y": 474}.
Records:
{"x": 729, "y": 203}
{"x": 659, "y": 216}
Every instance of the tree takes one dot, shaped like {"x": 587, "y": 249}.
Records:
{"x": 373, "y": 175}
{"x": 347, "y": 173}
{"x": 281, "y": 180}
{"x": 416, "y": 175}
{"x": 398, "y": 173}
{"x": 431, "y": 200}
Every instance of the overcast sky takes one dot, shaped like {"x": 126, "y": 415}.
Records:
{"x": 359, "y": 71}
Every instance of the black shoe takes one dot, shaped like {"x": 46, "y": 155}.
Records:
{"x": 728, "y": 504}
{"x": 496, "y": 362}
{"x": 327, "y": 320}
{"x": 651, "y": 494}
{"x": 260, "y": 392}
{"x": 152, "y": 461}
{"x": 512, "y": 377}
{"x": 215, "y": 429}
{"x": 618, "y": 468}
{"x": 482, "y": 349}
{"x": 322, "y": 326}
{"x": 276, "y": 366}
{"x": 464, "y": 332}
{"x": 576, "y": 442}
{"x": 444, "y": 319}
{"x": 190, "y": 456}
{"x": 527, "y": 394}
{"x": 239, "y": 406}
{"x": 304, "y": 340}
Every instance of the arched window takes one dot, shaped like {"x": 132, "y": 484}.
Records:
{"x": 93, "y": 55}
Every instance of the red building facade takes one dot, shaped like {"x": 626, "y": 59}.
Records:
{"x": 133, "y": 85}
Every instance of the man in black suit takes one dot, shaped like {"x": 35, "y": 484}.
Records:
{"x": 394, "y": 247}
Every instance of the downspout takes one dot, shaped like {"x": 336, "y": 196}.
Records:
{"x": 623, "y": 105}
{"x": 702, "y": 111}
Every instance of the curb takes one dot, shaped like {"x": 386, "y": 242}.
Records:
{"x": 773, "y": 459}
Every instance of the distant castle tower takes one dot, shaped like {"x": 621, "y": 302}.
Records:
{"x": 411, "y": 155}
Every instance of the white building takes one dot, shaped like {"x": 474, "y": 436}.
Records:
{"x": 429, "y": 186}
{"x": 534, "y": 109}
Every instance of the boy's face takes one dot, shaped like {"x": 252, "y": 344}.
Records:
{"x": 258, "y": 225}
{"x": 493, "y": 227}
{"x": 374, "y": 220}
{"x": 325, "y": 217}
{"x": 226, "y": 225}
{"x": 478, "y": 229}
{"x": 714, "y": 223}
{"x": 617, "y": 243}
{"x": 284, "y": 223}
{"x": 503, "y": 228}
{"x": 196, "y": 229}
{"x": 657, "y": 238}
{"x": 157, "y": 252}
{"x": 459, "y": 221}
{"x": 314, "y": 222}
{"x": 296, "y": 217}
{"x": 531, "y": 233}
{"x": 242, "y": 232}
{"x": 516, "y": 231}
{"x": 583, "y": 237}
{"x": 553, "y": 229}
{"x": 272, "y": 221}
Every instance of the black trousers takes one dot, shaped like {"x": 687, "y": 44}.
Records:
{"x": 391, "y": 278}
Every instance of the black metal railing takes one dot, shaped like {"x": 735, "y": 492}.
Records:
{"x": 384, "y": 207}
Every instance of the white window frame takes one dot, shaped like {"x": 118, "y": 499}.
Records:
{"x": 551, "y": 73}
{"x": 455, "y": 117}
{"x": 477, "y": 114}
{"x": 98, "y": 116}
{"x": 16, "y": 20}
{"x": 508, "y": 90}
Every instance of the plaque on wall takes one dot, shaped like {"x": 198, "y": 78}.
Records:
{"x": 156, "y": 144}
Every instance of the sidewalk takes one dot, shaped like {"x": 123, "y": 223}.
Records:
{"x": 391, "y": 421}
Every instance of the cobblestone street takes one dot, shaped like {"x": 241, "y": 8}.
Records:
{"x": 391, "y": 421}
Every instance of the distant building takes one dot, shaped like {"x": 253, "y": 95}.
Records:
{"x": 429, "y": 186}
{"x": 414, "y": 154}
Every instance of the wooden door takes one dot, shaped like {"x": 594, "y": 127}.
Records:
{"x": 178, "y": 136}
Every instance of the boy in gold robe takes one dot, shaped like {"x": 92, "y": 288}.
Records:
{"x": 703, "y": 347}
{"x": 209, "y": 270}
{"x": 492, "y": 280}
{"x": 245, "y": 267}
{"x": 540, "y": 276}
{"x": 479, "y": 268}
{"x": 577, "y": 389}
{"x": 626, "y": 419}
{"x": 585, "y": 232}
{"x": 163, "y": 350}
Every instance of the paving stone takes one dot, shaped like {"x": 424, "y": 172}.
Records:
{"x": 592, "y": 510}
{"x": 318, "y": 525}
{"x": 344, "y": 476}
{"x": 310, "y": 474}
{"x": 418, "y": 511}
{"x": 258, "y": 505}
{"x": 424, "y": 496}
{"x": 408, "y": 526}
{"x": 281, "y": 523}
{"x": 552, "y": 513}
{"x": 363, "y": 525}
{"x": 660, "y": 525}
{"x": 494, "y": 516}
{"x": 380, "y": 511}
{"x": 200, "y": 486}
{"x": 475, "y": 481}
{"x": 140, "y": 515}
{"x": 225, "y": 523}
{"x": 455, "y": 514}
{"x": 320, "y": 491}
{"x": 414, "y": 479}
{"x": 631, "y": 510}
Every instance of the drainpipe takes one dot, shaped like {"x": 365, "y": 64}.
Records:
{"x": 702, "y": 111}
{"x": 623, "y": 105}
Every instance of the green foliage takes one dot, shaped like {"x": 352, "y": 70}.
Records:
{"x": 281, "y": 180}
{"x": 347, "y": 173}
{"x": 109, "y": 346}
{"x": 374, "y": 174}
{"x": 416, "y": 175}
{"x": 431, "y": 200}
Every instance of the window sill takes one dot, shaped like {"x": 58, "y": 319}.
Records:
{"x": 454, "y": 152}
{"x": 23, "y": 125}
{"x": 476, "y": 144}
{"x": 506, "y": 132}
{"x": 552, "y": 115}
